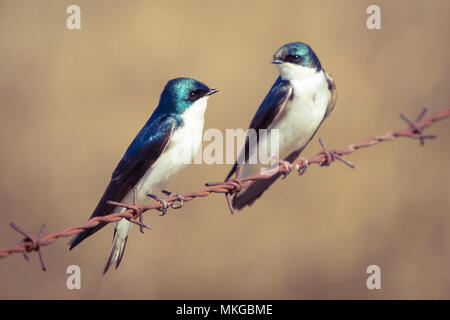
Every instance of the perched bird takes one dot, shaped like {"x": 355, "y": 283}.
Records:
{"x": 166, "y": 143}
{"x": 302, "y": 96}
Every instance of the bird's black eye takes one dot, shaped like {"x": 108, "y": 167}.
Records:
{"x": 197, "y": 94}
{"x": 193, "y": 95}
{"x": 294, "y": 58}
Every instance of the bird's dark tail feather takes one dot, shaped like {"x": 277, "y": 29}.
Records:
{"x": 102, "y": 209}
{"x": 84, "y": 234}
{"x": 117, "y": 251}
{"x": 250, "y": 194}
{"x": 253, "y": 192}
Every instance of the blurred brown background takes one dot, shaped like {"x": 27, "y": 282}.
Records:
{"x": 71, "y": 102}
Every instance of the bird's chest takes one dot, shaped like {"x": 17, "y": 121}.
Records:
{"x": 304, "y": 113}
{"x": 180, "y": 151}
{"x": 185, "y": 142}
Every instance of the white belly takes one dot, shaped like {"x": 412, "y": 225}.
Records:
{"x": 303, "y": 115}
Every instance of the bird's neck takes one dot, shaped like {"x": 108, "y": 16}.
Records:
{"x": 196, "y": 112}
{"x": 292, "y": 72}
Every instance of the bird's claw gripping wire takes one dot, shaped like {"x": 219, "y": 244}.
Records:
{"x": 301, "y": 165}
{"x": 180, "y": 199}
{"x": 275, "y": 167}
{"x": 165, "y": 204}
{"x": 33, "y": 243}
{"x": 331, "y": 155}
{"x": 285, "y": 164}
{"x": 417, "y": 129}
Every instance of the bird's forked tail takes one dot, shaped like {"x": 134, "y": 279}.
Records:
{"x": 119, "y": 242}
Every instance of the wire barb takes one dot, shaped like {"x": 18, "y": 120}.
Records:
{"x": 136, "y": 209}
{"x": 418, "y": 127}
{"x": 332, "y": 155}
{"x": 132, "y": 213}
{"x": 231, "y": 186}
{"x": 32, "y": 243}
{"x": 236, "y": 183}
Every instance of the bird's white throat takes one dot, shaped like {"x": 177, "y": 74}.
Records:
{"x": 290, "y": 71}
{"x": 196, "y": 111}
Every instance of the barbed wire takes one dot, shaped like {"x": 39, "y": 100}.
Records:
{"x": 175, "y": 201}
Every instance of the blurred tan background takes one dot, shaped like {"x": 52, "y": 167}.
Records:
{"x": 71, "y": 102}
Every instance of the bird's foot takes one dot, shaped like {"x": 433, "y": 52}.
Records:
{"x": 286, "y": 165}
{"x": 165, "y": 204}
{"x": 301, "y": 165}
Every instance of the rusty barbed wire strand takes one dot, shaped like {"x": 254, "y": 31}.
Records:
{"x": 233, "y": 185}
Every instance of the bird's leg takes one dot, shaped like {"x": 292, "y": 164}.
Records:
{"x": 162, "y": 201}
{"x": 180, "y": 199}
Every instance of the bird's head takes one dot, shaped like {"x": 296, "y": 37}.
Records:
{"x": 181, "y": 93}
{"x": 296, "y": 60}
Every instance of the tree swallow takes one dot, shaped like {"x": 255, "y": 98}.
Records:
{"x": 166, "y": 143}
{"x": 300, "y": 99}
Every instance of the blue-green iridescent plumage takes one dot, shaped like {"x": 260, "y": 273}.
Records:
{"x": 174, "y": 98}
{"x": 306, "y": 56}
{"x": 174, "y": 101}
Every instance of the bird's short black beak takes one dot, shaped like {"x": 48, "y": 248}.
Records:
{"x": 212, "y": 91}
{"x": 276, "y": 61}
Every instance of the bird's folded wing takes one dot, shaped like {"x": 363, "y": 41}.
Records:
{"x": 145, "y": 149}
{"x": 270, "y": 109}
